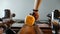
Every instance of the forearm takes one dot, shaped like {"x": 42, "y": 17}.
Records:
{"x": 37, "y": 4}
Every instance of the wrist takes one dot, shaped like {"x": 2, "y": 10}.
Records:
{"x": 35, "y": 10}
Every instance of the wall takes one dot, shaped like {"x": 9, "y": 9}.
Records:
{"x": 23, "y": 7}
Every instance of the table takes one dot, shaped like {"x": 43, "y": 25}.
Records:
{"x": 45, "y": 27}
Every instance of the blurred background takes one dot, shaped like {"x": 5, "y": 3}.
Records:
{"x": 23, "y": 7}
